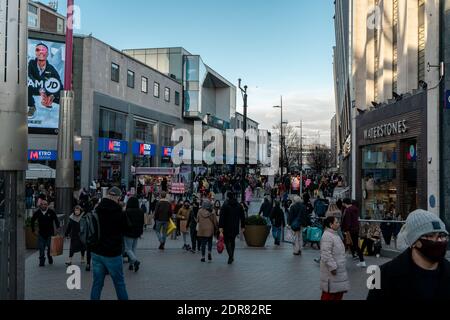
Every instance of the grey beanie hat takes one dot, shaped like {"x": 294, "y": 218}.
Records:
{"x": 207, "y": 204}
{"x": 115, "y": 192}
{"x": 420, "y": 223}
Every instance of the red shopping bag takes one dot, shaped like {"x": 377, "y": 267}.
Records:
{"x": 57, "y": 246}
{"x": 220, "y": 245}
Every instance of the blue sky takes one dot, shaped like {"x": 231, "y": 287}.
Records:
{"x": 278, "y": 47}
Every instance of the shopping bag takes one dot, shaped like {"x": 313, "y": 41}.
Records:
{"x": 289, "y": 237}
{"x": 171, "y": 227}
{"x": 183, "y": 226}
{"x": 56, "y": 246}
{"x": 220, "y": 245}
{"x": 366, "y": 251}
{"x": 146, "y": 219}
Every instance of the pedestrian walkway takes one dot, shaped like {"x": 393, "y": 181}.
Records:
{"x": 263, "y": 274}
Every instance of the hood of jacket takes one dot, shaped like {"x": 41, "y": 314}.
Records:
{"x": 204, "y": 213}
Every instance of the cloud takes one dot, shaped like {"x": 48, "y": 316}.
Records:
{"x": 315, "y": 108}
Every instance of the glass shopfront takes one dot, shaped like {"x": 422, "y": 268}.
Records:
{"x": 379, "y": 180}
{"x": 389, "y": 179}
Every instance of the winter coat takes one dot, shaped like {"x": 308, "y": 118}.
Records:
{"x": 232, "y": 218}
{"x": 350, "y": 221}
{"x": 298, "y": 212}
{"x": 135, "y": 221}
{"x": 183, "y": 216}
{"x": 332, "y": 253}
{"x": 207, "y": 223}
{"x": 45, "y": 222}
{"x": 277, "y": 217}
{"x": 266, "y": 208}
{"x": 113, "y": 225}
{"x": 248, "y": 195}
{"x": 398, "y": 280}
{"x": 73, "y": 231}
{"x": 163, "y": 210}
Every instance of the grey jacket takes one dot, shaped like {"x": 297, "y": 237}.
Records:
{"x": 332, "y": 251}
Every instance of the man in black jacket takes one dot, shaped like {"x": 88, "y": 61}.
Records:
{"x": 44, "y": 80}
{"x": 163, "y": 213}
{"x": 107, "y": 253}
{"x": 266, "y": 210}
{"x": 421, "y": 272}
{"x": 231, "y": 216}
{"x": 46, "y": 219}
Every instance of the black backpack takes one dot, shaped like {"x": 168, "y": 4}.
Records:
{"x": 90, "y": 229}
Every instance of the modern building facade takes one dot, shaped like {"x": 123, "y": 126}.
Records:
{"x": 382, "y": 52}
{"x": 333, "y": 142}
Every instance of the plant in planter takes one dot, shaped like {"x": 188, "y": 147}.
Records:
{"x": 31, "y": 240}
{"x": 256, "y": 231}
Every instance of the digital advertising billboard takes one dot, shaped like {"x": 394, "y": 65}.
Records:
{"x": 45, "y": 83}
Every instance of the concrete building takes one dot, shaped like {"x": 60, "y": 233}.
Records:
{"x": 125, "y": 113}
{"x": 333, "y": 143}
{"x": 382, "y": 81}
{"x": 445, "y": 112}
{"x": 45, "y": 18}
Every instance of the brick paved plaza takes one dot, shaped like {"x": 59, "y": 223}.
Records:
{"x": 261, "y": 274}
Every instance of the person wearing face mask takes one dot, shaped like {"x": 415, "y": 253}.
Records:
{"x": 421, "y": 272}
{"x": 46, "y": 219}
{"x": 192, "y": 225}
{"x": 334, "y": 281}
{"x": 73, "y": 232}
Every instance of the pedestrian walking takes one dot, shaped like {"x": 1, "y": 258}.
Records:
{"x": 107, "y": 252}
{"x": 421, "y": 272}
{"x": 163, "y": 213}
{"x": 248, "y": 195}
{"x": 192, "y": 226}
{"x": 298, "y": 219}
{"x": 216, "y": 210}
{"x": 266, "y": 210}
{"x": 231, "y": 222}
{"x": 207, "y": 226}
{"x": 334, "y": 281}
{"x": 278, "y": 222}
{"x": 46, "y": 219}
{"x": 73, "y": 232}
{"x": 183, "y": 217}
{"x": 350, "y": 228}
{"x": 135, "y": 228}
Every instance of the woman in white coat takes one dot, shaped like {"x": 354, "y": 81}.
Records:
{"x": 334, "y": 281}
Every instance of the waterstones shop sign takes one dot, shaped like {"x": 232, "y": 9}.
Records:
{"x": 386, "y": 130}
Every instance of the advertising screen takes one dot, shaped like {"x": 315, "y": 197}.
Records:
{"x": 45, "y": 83}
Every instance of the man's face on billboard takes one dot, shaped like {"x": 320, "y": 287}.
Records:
{"x": 41, "y": 53}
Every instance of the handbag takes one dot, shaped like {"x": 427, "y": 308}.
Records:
{"x": 348, "y": 239}
{"x": 171, "y": 227}
{"x": 220, "y": 245}
{"x": 289, "y": 236}
{"x": 56, "y": 246}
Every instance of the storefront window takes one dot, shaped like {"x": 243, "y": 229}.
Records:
{"x": 112, "y": 125}
{"x": 110, "y": 169}
{"x": 379, "y": 180}
{"x": 143, "y": 131}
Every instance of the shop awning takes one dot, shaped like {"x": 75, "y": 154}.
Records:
{"x": 38, "y": 171}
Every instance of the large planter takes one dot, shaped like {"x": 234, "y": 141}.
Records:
{"x": 31, "y": 240}
{"x": 256, "y": 236}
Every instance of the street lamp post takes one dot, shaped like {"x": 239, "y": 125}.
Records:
{"x": 65, "y": 163}
{"x": 281, "y": 136}
{"x": 245, "y": 98}
{"x": 301, "y": 156}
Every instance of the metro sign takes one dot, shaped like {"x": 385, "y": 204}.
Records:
{"x": 145, "y": 149}
{"x": 42, "y": 155}
{"x": 114, "y": 146}
{"x": 167, "y": 151}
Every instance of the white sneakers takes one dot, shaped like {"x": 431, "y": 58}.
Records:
{"x": 362, "y": 264}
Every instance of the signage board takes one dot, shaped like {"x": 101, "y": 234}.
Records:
{"x": 112, "y": 146}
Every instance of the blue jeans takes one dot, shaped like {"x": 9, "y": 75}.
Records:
{"x": 204, "y": 241}
{"x": 43, "y": 242}
{"x": 29, "y": 202}
{"x": 114, "y": 266}
{"x": 130, "y": 248}
{"x": 161, "y": 231}
{"x": 276, "y": 232}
